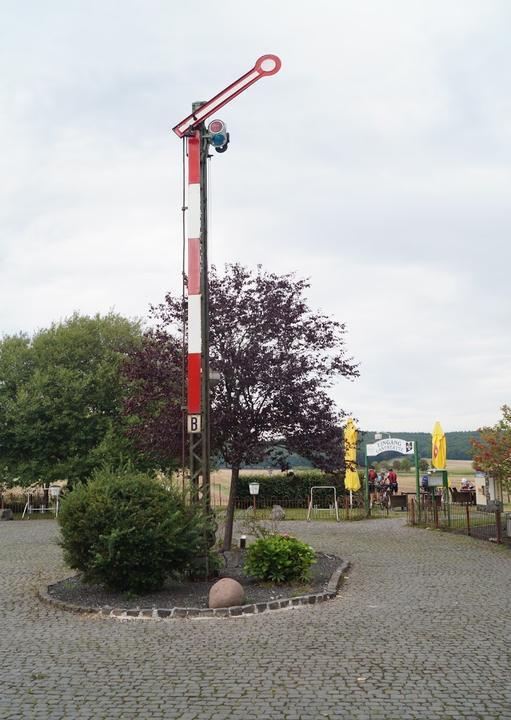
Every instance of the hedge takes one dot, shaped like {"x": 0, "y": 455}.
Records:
{"x": 290, "y": 486}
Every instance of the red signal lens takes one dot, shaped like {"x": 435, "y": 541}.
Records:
{"x": 216, "y": 126}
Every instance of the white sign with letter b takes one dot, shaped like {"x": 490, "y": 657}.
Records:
{"x": 194, "y": 423}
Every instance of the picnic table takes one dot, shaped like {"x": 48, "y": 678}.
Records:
{"x": 399, "y": 501}
{"x": 463, "y": 497}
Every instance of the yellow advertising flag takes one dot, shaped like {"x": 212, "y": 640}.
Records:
{"x": 351, "y": 479}
{"x": 438, "y": 447}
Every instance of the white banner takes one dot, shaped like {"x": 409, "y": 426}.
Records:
{"x": 405, "y": 447}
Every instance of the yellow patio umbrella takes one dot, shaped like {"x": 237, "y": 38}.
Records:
{"x": 438, "y": 447}
{"x": 351, "y": 479}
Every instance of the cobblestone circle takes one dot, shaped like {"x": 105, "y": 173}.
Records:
{"x": 178, "y": 613}
{"x": 421, "y": 629}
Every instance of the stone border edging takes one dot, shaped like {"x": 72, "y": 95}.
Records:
{"x": 179, "y": 612}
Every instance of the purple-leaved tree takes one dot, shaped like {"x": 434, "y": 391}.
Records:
{"x": 277, "y": 359}
{"x": 152, "y": 398}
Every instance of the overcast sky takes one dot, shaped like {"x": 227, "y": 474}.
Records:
{"x": 377, "y": 163}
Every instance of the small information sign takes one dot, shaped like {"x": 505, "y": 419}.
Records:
{"x": 194, "y": 423}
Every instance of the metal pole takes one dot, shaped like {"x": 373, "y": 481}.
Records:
{"x": 204, "y": 154}
{"x": 447, "y": 496}
{"x": 184, "y": 406}
{"x": 417, "y": 479}
{"x": 366, "y": 488}
{"x": 194, "y": 322}
{"x": 498, "y": 523}
{"x": 198, "y": 316}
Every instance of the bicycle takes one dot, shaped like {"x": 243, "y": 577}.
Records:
{"x": 383, "y": 502}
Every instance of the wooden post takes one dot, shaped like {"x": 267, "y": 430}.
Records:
{"x": 468, "y": 518}
{"x": 499, "y": 526}
{"x": 417, "y": 474}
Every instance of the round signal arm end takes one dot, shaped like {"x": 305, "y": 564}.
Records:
{"x": 268, "y": 64}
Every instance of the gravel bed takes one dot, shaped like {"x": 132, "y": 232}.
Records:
{"x": 195, "y": 594}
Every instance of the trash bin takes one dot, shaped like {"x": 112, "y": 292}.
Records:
{"x": 508, "y": 524}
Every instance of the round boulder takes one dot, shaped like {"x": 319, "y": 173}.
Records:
{"x": 277, "y": 513}
{"x": 225, "y": 593}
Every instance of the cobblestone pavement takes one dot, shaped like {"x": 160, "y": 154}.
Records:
{"x": 421, "y": 629}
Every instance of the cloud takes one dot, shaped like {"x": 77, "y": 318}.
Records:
{"x": 376, "y": 162}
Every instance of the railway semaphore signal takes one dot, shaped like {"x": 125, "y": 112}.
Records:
{"x": 200, "y": 139}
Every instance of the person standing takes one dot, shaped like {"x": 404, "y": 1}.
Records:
{"x": 380, "y": 482}
{"x": 371, "y": 483}
{"x": 392, "y": 480}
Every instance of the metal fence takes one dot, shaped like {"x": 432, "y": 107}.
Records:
{"x": 439, "y": 512}
{"x": 16, "y": 506}
{"x": 37, "y": 508}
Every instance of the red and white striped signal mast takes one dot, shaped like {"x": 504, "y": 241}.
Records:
{"x": 199, "y": 139}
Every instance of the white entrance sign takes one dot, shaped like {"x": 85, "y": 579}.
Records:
{"x": 405, "y": 447}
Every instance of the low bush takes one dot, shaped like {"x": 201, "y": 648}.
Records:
{"x": 279, "y": 559}
{"x": 129, "y": 531}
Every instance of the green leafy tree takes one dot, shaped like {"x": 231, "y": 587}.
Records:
{"x": 61, "y": 398}
{"x": 423, "y": 465}
{"x": 405, "y": 465}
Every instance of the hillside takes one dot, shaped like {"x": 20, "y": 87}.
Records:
{"x": 458, "y": 447}
{"x": 458, "y": 442}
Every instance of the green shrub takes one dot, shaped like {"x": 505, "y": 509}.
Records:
{"x": 129, "y": 532}
{"x": 279, "y": 558}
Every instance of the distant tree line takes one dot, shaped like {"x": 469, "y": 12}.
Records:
{"x": 458, "y": 444}
{"x": 459, "y": 447}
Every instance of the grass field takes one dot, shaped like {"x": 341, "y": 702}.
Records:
{"x": 459, "y": 467}
{"x": 221, "y": 482}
